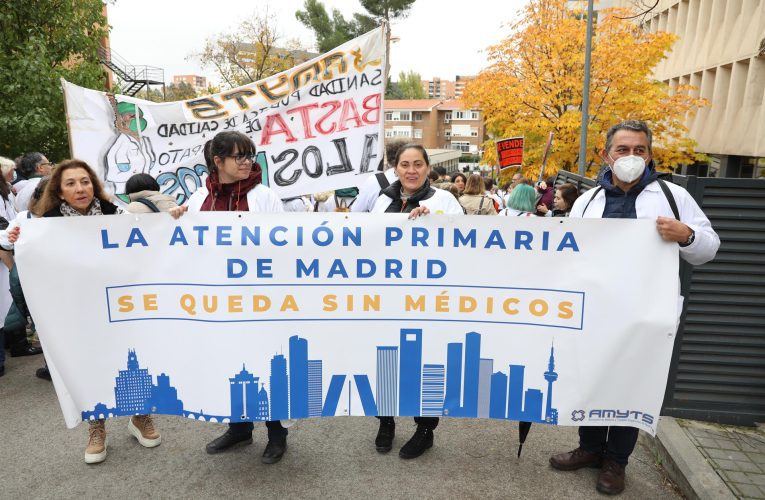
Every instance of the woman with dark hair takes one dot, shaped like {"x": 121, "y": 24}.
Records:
{"x": 474, "y": 199}
{"x": 564, "y": 199}
{"x": 143, "y": 191}
{"x": 235, "y": 184}
{"x": 460, "y": 181}
{"x": 412, "y": 194}
{"x": 72, "y": 191}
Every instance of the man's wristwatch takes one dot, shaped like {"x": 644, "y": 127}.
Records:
{"x": 690, "y": 239}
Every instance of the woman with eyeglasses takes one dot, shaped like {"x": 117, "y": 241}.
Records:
{"x": 412, "y": 194}
{"x": 234, "y": 184}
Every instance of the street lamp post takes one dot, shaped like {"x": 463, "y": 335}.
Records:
{"x": 586, "y": 92}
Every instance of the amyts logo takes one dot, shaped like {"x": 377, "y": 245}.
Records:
{"x": 612, "y": 415}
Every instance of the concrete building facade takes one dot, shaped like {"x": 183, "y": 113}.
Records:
{"x": 198, "y": 83}
{"x": 721, "y": 52}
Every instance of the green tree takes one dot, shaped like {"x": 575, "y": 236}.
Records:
{"x": 180, "y": 92}
{"x": 40, "y": 43}
{"x": 335, "y": 30}
{"x": 393, "y": 91}
{"x": 250, "y": 52}
{"x": 410, "y": 86}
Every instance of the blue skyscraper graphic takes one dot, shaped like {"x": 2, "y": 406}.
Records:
{"x": 551, "y": 414}
{"x": 532, "y": 408}
{"x": 164, "y": 397}
{"x": 365, "y": 395}
{"x": 263, "y": 413}
{"x": 132, "y": 387}
{"x": 410, "y": 375}
{"x": 515, "y": 397}
{"x": 244, "y": 396}
{"x": 484, "y": 387}
{"x": 472, "y": 372}
{"x": 498, "y": 404}
{"x": 433, "y": 385}
{"x": 279, "y": 386}
{"x": 298, "y": 377}
{"x": 387, "y": 380}
{"x": 315, "y": 388}
{"x": 453, "y": 398}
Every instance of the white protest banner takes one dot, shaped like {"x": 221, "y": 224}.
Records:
{"x": 249, "y": 317}
{"x": 317, "y": 126}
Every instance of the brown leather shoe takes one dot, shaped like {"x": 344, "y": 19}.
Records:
{"x": 576, "y": 459}
{"x": 611, "y": 478}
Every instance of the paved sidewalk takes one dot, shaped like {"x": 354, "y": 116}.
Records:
{"x": 327, "y": 458}
{"x": 737, "y": 454}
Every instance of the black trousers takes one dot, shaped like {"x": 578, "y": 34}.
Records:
{"x": 427, "y": 422}
{"x": 275, "y": 429}
{"x": 615, "y": 443}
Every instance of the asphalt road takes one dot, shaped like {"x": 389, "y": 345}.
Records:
{"x": 326, "y": 458}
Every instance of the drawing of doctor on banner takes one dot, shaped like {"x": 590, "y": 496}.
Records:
{"x": 131, "y": 153}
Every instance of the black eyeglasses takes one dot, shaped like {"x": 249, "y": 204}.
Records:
{"x": 241, "y": 159}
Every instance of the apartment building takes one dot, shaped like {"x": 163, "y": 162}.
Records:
{"x": 459, "y": 84}
{"x": 436, "y": 124}
{"x": 438, "y": 88}
{"x": 198, "y": 83}
{"x": 721, "y": 52}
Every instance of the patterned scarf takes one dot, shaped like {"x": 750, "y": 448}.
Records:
{"x": 68, "y": 211}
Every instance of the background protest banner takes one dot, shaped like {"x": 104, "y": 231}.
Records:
{"x": 510, "y": 152}
{"x": 317, "y": 126}
{"x": 250, "y": 317}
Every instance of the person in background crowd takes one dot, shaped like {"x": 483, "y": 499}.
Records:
{"x": 412, "y": 194}
{"x": 546, "y": 193}
{"x": 341, "y": 200}
{"x": 474, "y": 200}
{"x": 8, "y": 171}
{"x": 74, "y": 190}
{"x": 143, "y": 191}
{"x": 433, "y": 177}
{"x": 33, "y": 167}
{"x": 493, "y": 193}
{"x": 441, "y": 172}
{"x": 459, "y": 180}
{"x": 514, "y": 181}
{"x": 520, "y": 202}
{"x": 296, "y": 204}
{"x": 631, "y": 190}
{"x": 564, "y": 199}
{"x": 234, "y": 184}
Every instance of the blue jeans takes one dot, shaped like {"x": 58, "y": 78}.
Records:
{"x": 275, "y": 429}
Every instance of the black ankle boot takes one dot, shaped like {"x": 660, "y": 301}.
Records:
{"x": 421, "y": 441}
{"x": 384, "y": 439}
{"x": 274, "y": 450}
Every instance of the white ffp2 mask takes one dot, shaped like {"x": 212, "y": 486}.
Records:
{"x": 628, "y": 168}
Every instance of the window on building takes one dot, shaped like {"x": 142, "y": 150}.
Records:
{"x": 473, "y": 132}
{"x": 417, "y": 117}
{"x": 460, "y": 145}
{"x": 474, "y": 115}
{"x": 405, "y": 116}
{"x": 418, "y": 133}
{"x": 388, "y": 133}
{"x": 459, "y": 115}
{"x": 388, "y": 116}
{"x": 447, "y": 117}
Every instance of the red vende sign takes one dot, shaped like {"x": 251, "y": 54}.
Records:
{"x": 510, "y": 152}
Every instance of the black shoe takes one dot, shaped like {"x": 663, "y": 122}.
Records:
{"x": 384, "y": 439}
{"x": 25, "y": 350}
{"x": 421, "y": 441}
{"x": 2, "y": 371}
{"x": 274, "y": 450}
{"x": 43, "y": 373}
{"x": 226, "y": 441}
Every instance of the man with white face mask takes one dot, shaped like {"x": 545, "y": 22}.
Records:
{"x": 630, "y": 189}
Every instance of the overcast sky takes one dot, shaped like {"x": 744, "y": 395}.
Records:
{"x": 438, "y": 38}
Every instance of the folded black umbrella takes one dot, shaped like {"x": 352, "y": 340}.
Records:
{"x": 523, "y": 431}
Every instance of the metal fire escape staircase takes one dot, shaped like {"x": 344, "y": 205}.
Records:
{"x": 133, "y": 78}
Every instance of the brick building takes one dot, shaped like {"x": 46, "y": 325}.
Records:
{"x": 198, "y": 83}
{"x": 436, "y": 124}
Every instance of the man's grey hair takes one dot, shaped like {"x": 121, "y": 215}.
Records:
{"x": 632, "y": 125}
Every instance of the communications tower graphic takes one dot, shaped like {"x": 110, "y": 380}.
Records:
{"x": 551, "y": 414}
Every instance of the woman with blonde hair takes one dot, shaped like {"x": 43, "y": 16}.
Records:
{"x": 474, "y": 199}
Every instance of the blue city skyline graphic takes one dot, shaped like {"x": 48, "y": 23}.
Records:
{"x": 466, "y": 385}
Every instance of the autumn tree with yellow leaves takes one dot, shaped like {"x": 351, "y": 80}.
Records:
{"x": 534, "y": 86}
